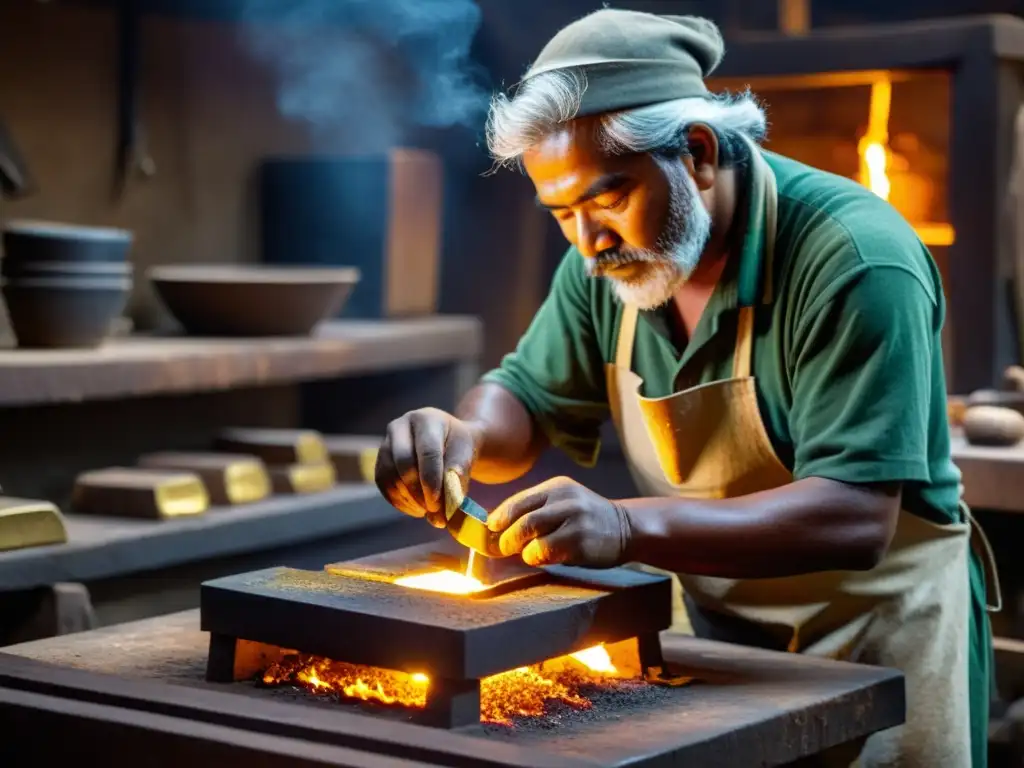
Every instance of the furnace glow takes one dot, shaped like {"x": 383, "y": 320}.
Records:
{"x": 522, "y": 692}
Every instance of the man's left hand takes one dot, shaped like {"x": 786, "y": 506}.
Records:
{"x": 560, "y": 521}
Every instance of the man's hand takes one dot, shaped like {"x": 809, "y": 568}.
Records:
{"x": 560, "y": 521}
{"x": 417, "y": 451}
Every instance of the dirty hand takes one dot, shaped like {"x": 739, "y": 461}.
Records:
{"x": 418, "y": 449}
{"x": 560, "y": 521}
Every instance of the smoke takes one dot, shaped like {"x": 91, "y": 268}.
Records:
{"x": 362, "y": 73}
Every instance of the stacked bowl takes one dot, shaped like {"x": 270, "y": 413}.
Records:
{"x": 64, "y": 286}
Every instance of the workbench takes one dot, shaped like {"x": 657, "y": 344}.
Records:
{"x": 143, "y": 683}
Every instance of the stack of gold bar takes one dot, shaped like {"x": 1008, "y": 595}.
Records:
{"x": 230, "y": 478}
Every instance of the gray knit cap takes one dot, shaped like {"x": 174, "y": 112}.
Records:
{"x": 632, "y": 59}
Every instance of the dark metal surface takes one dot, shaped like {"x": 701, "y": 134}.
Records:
{"x": 363, "y": 621}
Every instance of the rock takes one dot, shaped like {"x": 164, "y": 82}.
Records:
{"x": 991, "y": 425}
{"x": 1013, "y": 379}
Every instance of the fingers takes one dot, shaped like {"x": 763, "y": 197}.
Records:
{"x": 428, "y": 441}
{"x": 524, "y": 502}
{"x": 403, "y": 454}
{"x": 390, "y": 483}
{"x": 557, "y": 547}
{"x": 535, "y": 525}
{"x": 458, "y": 451}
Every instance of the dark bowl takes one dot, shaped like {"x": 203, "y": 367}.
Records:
{"x": 224, "y": 300}
{"x": 72, "y": 269}
{"x": 52, "y": 313}
{"x": 45, "y": 241}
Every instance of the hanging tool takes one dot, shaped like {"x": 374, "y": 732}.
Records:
{"x": 131, "y": 148}
{"x": 467, "y": 520}
{"x": 14, "y": 176}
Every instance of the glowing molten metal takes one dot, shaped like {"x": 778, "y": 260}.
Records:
{"x": 450, "y": 582}
{"x": 521, "y": 692}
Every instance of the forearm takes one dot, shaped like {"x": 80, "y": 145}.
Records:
{"x": 508, "y": 441}
{"x": 804, "y": 527}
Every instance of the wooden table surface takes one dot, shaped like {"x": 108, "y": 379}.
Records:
{"x": 100, "y": 547}
{"x": 993, "y": 478}
{"x": 751, "y": 707}
{"x": 135, "y": 366}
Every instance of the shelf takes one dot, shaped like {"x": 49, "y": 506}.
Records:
{"x": 143, "y": 365}
{"x": 100, "y": 548}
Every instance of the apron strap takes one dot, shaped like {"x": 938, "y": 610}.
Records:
{"x": 983, "y": 549}
{"x": 627, "y": 330}
{"x": 744, "y": 351}
{"x": 744, "y": 344}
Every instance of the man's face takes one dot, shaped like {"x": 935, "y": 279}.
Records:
{"x": 638, "y": 221}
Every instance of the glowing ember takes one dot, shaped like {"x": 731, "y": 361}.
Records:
{"x": 450, "y": 582}
{"x": 522, "y": 692}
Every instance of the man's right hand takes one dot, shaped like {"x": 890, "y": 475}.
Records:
{"x": 417, "y": 451}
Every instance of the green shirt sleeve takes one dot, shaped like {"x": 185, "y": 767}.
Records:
{"x": 557, "y": 369}
{"x": 862, "y": 379}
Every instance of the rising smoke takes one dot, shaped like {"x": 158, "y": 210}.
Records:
{"x": 362, "y": 73}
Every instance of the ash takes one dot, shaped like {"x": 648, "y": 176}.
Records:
{"x": 610, "y": 701}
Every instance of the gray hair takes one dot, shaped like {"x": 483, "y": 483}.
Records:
{"x": 550, "y": 99}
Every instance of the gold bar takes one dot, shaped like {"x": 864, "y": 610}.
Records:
{"x": 275, "y": 446}
{"x": 140, "y": 493}
{"x": 302, "y": 478}
{"x": 354, "y": 456}
{"x": 229, "y": 478}
{"x": 29, "y": 523}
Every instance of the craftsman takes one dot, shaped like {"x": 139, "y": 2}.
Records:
{"x": 765, "y": 337}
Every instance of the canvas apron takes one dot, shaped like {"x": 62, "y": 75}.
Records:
{"x": 910, "y": 612}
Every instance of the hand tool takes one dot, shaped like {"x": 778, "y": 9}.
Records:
{"x": 467, "y": 520}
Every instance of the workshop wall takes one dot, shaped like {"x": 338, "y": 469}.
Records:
{"x": 209, "y": 112}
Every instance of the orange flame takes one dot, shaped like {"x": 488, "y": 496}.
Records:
{"x": 876, "y": 158}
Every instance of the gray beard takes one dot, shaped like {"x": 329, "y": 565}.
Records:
{"x": 676, "y": 254}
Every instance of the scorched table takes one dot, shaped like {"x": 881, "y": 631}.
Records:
{"x": 749, "y": 707}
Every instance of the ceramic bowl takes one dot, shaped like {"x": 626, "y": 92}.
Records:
{"x": 64, "y": 312}
{"x": 40, "y": 241}
{"x": 224, "y": 300}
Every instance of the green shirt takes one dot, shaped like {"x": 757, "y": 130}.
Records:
{"x": 847, "y": 354}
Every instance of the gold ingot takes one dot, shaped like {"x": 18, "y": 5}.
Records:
{"x": 368, "y": 464}
{"x": 276, "y": 446}
{"x": 140, "y": 493}
{"x": 354, "y": 457}
{"x": 229, "y": 478}
{"x": 303, "y": 478}
{"x": 30, "y": 523}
